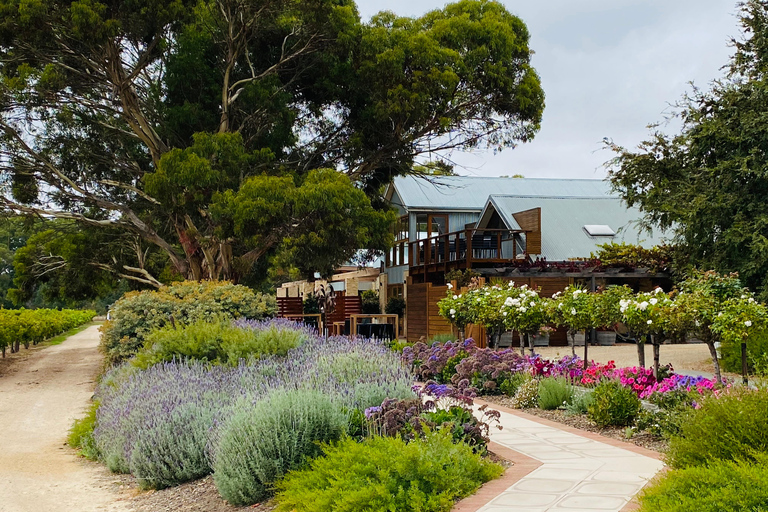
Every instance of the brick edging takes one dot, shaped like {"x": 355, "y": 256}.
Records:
{"x": 573, "y": 430}
{"x": 522, "y": 466}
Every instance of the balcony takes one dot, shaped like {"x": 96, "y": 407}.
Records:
{"x": 461, "y": 250}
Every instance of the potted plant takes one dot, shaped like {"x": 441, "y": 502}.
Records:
{"x": 541, "y": 339}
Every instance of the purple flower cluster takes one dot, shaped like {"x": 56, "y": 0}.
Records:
{"x": 137, "y": 407}
{"x": 431, "y": 361}
{"x": 678, "y": 382}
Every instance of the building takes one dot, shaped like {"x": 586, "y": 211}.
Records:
{"x": 535, "y": 231}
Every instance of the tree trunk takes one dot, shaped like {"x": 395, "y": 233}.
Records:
{"x": 586, "y": 353}
{"x": 522, "y": 343}
{"x": 461, "y": 334}
{"x": 572, "y": 335}
{"x": 713, "y": 352}
{"x": 656, "y": 356}
{"x": 530, "y": 343}
{"x": 641, "y": 351}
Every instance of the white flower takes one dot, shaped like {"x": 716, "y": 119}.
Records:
{"x": 523, "y": 310}
{"x": 515, "y": 302}
{"x": 505, "y": 313}
{"x": 555, "y": 295}
{"x": 653, "y": 301}
{"x": 643, "y": 306}
{"x": 479, "y": 299}
{"x": 455, "y": 297}
{"x": 649, "y": 322}
{"x": 560, "y": 306}
{"x": 658, "y": 290}
{"x": 533, "y": 304}
{"x": 573, "y": 311}
{"x": 743, "y": 296}
{"x": 720, "y": 314}
{"x": 450, "y": 286}
{"x": 510, "y": 301}
{"x": 751, "y": 300}
{"x": 748, "y": 323}
{"x": 452, "y": 312}
{"x": 453, "y": 316}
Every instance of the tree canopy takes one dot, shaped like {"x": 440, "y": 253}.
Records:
{"x": 709, "y": 183}
{"x": 232, "y": 133}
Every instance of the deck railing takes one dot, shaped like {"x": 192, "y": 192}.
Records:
{"x": 460, "y": 249}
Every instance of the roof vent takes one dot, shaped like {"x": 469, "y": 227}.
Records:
{"x": 599, "y": 230}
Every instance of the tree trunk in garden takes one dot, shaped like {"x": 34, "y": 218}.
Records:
{"x": 461, "y": 334}
{"x": 572, "y": 335}
{"x": 641, "y": 351}
{"x": 522, "y": 343}
{"x": 715, "y": 362}
{"x": 586, "y": 349}
{"x": 656, "y": 347}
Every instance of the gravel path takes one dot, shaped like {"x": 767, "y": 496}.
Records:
{"x": 688, "y": 356}
{"x": 39, "y": 400}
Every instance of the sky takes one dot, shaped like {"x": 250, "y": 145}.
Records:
{"x": 609, "y": 68}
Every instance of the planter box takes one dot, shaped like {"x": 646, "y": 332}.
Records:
{"x": 578, "y": 340}
{"x": 541, "y": 340}
{"x": 606, "y": 338}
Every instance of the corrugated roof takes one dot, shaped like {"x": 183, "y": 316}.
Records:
{"x": 563, "y": 220}
{"x": 471, "y": 193}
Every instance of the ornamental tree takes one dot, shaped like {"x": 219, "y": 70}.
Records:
{"x": 648, "y": 315}
{"x": 456, "y": 308}
{"x": 702, "y": 298}
{"x": 573, "y": 309}
{"x": 524, "y": 311}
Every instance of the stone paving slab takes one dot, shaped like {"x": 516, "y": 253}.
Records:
{"x": 567, "y": 470}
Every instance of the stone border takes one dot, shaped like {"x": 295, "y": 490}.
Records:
{"x": 631, "y": 447}
{"x": 522, "y": 466}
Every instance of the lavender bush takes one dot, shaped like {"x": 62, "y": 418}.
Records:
{"x": 263, "y": 441}
{"x": 142, "y": 412}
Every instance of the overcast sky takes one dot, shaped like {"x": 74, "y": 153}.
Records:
{"x": 608, "y": 68}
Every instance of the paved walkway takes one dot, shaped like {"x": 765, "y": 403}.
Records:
{"x": 571, "y": 472}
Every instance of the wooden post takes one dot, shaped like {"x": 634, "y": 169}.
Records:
{"x": 469, "y": 247}
{"x": 655, "y": 357}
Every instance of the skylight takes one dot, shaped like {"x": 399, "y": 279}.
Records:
{"x": 599, "y": 230}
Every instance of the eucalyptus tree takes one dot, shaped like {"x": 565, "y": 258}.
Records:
{"x": 212, "y": 129}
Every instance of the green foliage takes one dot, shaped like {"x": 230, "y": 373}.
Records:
{"x": 527, "y": 395}
{"x": 613, "y": 405}
{"x": 510, "y": 385}
{"x": 665, "y": 422}
{"x": 138, "y": 313}
{"x": 463, "y": 278}
{"x": 80, "y": 436}
{"x": 656, "y": 259}
{"x": 311, "y": 304}
{"x": 370, "y": 303}
{"x": 260, "y": 443}
{"x": 31, "y": 326}
{"x": 757, "y": 354}
{"x": 719, "y": 486}
{"x": 555, "y": 393}
{"x": 707, "y": 183}
{"x": 728, "y": 426}
{"x": 384, "y": 474}
{"x": 395, "y": 306}
{"x": 216, "y": 342}
{"x": 580, "y": 403}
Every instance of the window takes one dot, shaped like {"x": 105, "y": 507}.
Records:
{"x": 429, "y": 225}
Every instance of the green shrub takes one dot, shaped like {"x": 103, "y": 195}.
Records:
{"x": 369, "y": 303}
{"x": 757, "y": 354}
{"x": 527, "y": 395}
{"x": 395, "y": 306}
{"x": 81, "y": 434}
{"x": 441, "y": 338}
{"x": 720, "y": 486}
{"x": 731, "y": 426}
{"x": 217, "y": 342}
{"x": 260, "y": 443}
{"x": 137, "y": 314}
{"x": 510, "y": 386}
{"x": 554, "y": 393}
{"x": 664, "y": 423}
{"x": 172, "y": 451}
{"x": 31, "y": 326}
{"x": 613, "y": 405}
{"x": 580, "y": 403}
{"x": 382, "y": 474}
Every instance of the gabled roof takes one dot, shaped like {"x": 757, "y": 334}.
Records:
{"x": 471, "y": 192}
{"x": 563, "y": 219}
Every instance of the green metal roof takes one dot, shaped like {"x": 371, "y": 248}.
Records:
{"x": 471, "y": 193}
{"x": 563, "y": 219}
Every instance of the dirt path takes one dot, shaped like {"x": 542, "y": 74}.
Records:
{"x": 38, "y": 402}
